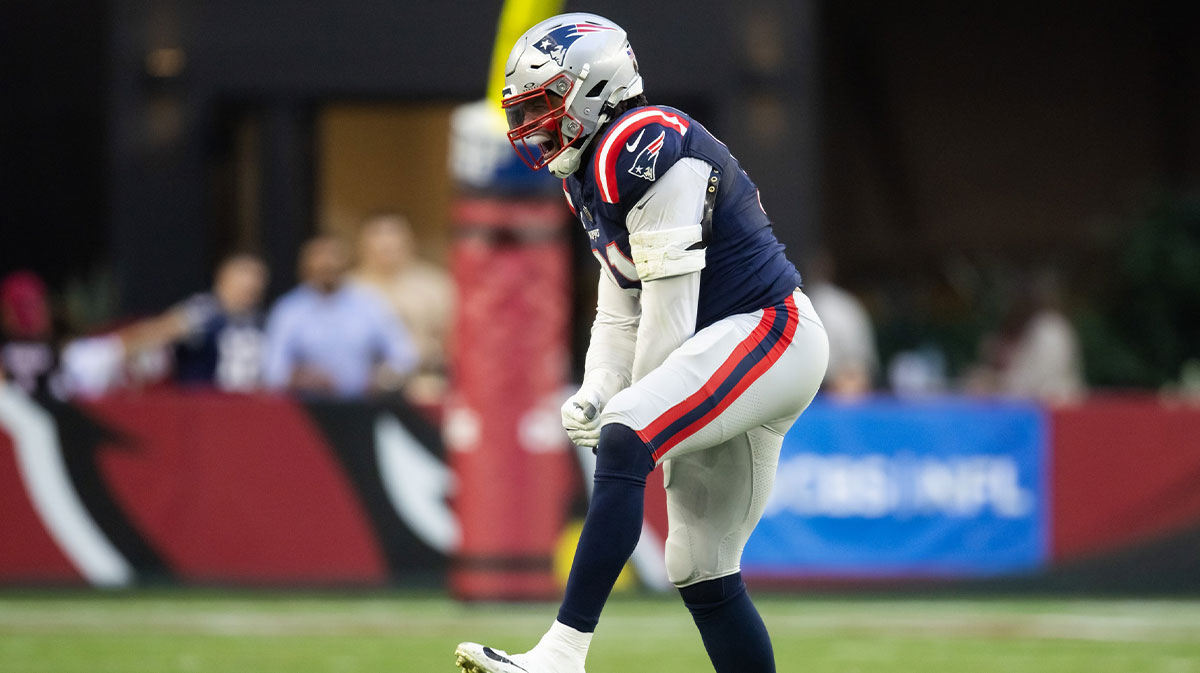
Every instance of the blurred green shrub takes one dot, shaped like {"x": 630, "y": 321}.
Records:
{"x": 1142, "y": 328}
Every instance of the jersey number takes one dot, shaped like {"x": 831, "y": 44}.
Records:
{"x": 617, "y": 265}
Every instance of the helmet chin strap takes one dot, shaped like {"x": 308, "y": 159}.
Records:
{"x": 567, "y": 161}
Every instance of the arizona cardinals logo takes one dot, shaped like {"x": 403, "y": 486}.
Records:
{"x": 647, "y": 159}
{"x": 556, "y": 43}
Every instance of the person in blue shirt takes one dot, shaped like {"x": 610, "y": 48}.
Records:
{"x": 703, "y": 352}
{"x": 330, "y": 337}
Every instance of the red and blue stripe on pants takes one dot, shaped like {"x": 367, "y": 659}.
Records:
{"x": 748, "y": 361}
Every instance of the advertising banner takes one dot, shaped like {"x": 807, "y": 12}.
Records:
{"x": 946, "y": 488}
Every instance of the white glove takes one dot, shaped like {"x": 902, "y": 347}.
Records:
{"x": 581, "y": 412}
{"x": 581, "y": 418}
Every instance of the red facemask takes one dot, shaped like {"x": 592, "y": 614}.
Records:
{"x": 535, "y": 124}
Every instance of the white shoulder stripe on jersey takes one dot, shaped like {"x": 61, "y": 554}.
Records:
{"x": 607, "y": 188}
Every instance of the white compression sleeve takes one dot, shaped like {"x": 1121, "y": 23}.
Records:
{"x": 670, "y": 300}
{"x": 675, "y": 200}
{"x": 669, "y": 308}
{"x": 610, "y": 353}
{"x": 664, "y": 226}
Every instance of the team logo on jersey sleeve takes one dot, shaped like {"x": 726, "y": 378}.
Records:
{"x": 647, "y": 159}
{"x": 556, "y": 43}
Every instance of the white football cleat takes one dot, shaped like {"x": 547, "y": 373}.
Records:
{"x": 475, "y": 658}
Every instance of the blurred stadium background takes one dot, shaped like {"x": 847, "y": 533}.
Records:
{"x": 1002, "y": 475}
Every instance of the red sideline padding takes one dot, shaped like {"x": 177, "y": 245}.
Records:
{"x": 1124, "y": 471}
{"x": 502, "y": 426}
{"x": 27, "y": 552}
{"x": 236, "y": 489}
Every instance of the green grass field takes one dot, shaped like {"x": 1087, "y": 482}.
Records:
{"x": 287, "y": 633}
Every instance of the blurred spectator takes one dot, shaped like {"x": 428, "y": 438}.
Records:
{"x": 215, "y": 337}
{"x": 219, "y": 339}
{"x": 27, "y": 351}
{"x": 1035, "y": 352}
{"x": 92, "y": 366}
{"x": 918, "y": 372}
{"x": 332, "y": 337}
{"x": 853, "y": 358}
{"x": 419, "y": 292}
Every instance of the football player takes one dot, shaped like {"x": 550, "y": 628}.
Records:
{"x": 703, "y": 352}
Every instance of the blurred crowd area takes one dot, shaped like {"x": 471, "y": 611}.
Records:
{"x": 366, "y": 318}
{"x": 370, "y": 316}
{"x": 1055, "y": 326}
{"x": 982, "y": 200}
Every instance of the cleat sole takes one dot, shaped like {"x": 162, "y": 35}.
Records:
{"x": 466, "y": 664}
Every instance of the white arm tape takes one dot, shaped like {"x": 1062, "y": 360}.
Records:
{"x": 664, "y": 253}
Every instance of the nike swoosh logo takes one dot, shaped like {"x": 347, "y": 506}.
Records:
{"x": 645, "y": 201}
{"x": 495, "y": 656}
{"x": 633, "y": 146}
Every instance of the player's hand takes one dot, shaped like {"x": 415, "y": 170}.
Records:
{"x": 581, "y": 418}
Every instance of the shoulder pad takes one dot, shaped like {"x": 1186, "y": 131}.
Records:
{"x": 639, "y": 147}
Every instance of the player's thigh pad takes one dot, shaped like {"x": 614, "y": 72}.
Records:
{"x": 741, "y": 372}
{"x": 715, "y": 498}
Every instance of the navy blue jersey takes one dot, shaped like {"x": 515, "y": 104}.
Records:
{"x": 745, "y": 266}
{"x": 222, "y": 349}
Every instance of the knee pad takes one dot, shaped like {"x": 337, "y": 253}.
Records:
{"x": 715, "y": 498}
{"x": 622, "y": 456}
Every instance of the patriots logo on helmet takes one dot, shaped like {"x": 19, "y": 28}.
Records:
{"x": 647, "y": 159}
{"x": 556, "y": 43}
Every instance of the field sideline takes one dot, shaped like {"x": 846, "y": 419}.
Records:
{"x": 189, "y": 632}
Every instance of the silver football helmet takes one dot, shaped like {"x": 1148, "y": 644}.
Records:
{"x": 562, "y": 81}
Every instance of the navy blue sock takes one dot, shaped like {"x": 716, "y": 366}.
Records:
{"x": 732, "y": 631}
{"x": 612, "y": 527}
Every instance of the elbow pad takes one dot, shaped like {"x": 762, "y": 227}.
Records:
{"x": 667, "y": 252}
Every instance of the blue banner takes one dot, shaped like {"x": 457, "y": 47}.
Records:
{"x": 883, "y": 488}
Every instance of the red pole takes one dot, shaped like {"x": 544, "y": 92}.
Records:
{"x": 510, "y": 357}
